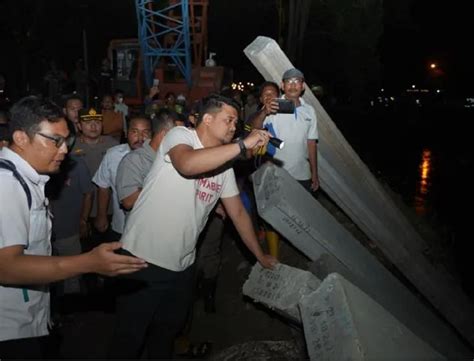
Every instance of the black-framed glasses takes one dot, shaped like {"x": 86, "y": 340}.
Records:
{"x": 59, "y": 140}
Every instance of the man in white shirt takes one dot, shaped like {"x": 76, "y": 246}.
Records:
{"x": 104, "y": 178}
{"x": 298, "y": 130}
{"x": 190, "y": 174}
{"x": 40, "y": 140}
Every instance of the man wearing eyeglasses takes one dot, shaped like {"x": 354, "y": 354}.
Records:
{"x": 298, "y": 130}
{"x": 40, "y": 139}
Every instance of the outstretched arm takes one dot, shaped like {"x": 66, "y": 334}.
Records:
{"x": 236, "y": 211}
{"x": 191, "y": 162}
{"x": 18, "y": 269}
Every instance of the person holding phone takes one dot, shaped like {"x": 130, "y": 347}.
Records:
{"x": 292, "y": 120}
{"x": 152, "y": 102}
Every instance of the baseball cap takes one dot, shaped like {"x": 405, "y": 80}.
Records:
{"x": 293, "y": 73}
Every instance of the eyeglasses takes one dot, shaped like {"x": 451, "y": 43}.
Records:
{"x": 59, "y": 140}
{"x": 293, "y": 81}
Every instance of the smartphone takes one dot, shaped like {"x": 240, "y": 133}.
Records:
{"x": 285, "y": 106}
{"x": 156, "y": 82}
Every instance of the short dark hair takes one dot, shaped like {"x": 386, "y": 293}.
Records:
{"x": 213, "y": 104}
{"x": 267, "y": 84}
{"x": 139, "y": 117}
{"x": 4, "y": 132}
{"x": 30, "y": 111}
{"x": 72, "y": 97}
{"x": 163, "y": 120}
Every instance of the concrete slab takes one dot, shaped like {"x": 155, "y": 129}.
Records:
{"x": 351, "y": 185}
{"x": 343, "y": 323}
{"x": 280, "y": 288}
{"x": 302, "y": 220}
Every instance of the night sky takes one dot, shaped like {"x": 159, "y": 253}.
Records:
{"x": 415, "y": 33}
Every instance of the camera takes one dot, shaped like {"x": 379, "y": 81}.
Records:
{"x": 285, "y": 106}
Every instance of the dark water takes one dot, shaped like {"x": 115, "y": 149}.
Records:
{"x": 425, "y": 155}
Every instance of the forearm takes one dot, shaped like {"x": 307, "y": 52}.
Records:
{"x": 313, "y": 157}
{"x": 244, "y": 226}
{"x": 103, "y": 198}
{"x": 129, "y": 201}
{"x": 29, "y": 269}
{"x": 86, "y": 206}
{"x": 258, "y": 119}
{"x": 207, "y": 159}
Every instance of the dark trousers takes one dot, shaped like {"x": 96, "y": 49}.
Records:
{"x": 151, "y": 309}
{"x": 23, "y": 348}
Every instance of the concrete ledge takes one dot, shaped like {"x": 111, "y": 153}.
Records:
{"x": 343, "y": 323}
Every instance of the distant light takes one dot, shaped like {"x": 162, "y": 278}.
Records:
{"x": 432, "y": 65}
{"x": 413, "y": 86}
{"x": 438, "y": 91}
{"x": 392, "y": 99}
{"x": 382, "y": 90}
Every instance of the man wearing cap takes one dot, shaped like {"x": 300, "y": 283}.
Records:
{"x": 92, "y": 146}
{"x": 298, "y": 130}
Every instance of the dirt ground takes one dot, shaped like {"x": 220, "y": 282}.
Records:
{"x": 238, "y": 319}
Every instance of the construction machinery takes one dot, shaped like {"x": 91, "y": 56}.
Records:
{"x": 171, "y": 47}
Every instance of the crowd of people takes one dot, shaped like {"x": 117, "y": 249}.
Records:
{"x": 104, "y": 191}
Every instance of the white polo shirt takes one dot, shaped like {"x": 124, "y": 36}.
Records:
{"x": 295, "y": 130}
{"x": 105, "y": 178}
{"x": 24, "y": 311}
{"x": 171, "y": 211}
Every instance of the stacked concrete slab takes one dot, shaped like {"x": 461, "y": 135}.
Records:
{"x": 349, "y": 183}
{"x": 304, "y": 222}
{"x": 281, "y": 288}
{"x": 343, "y": 323}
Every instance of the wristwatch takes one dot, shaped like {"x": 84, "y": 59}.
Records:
{"x": 243, "y": 149}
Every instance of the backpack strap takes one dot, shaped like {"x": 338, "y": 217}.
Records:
{"x": 6, "y": 164}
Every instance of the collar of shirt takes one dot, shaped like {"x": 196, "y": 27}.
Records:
{"x": 23, "y": 167}
{"x": 147, "y": 146}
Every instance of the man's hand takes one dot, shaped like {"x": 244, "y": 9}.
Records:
{"x": 270, "y": 106}
{"x": 267, "y": 261}
{"x": 101, "y": 223}
{"x": 153, "y": 91}
{"x": 257, "y": 138}
{"x": 314, "y": 182}
{"x": 106, "y": 262}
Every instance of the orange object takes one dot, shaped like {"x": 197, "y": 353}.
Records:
{"x": 273, "y": 242}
